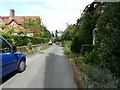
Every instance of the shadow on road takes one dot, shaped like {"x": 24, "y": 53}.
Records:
{"x": 9, "y": 76}
{"x": 58, "y": 72}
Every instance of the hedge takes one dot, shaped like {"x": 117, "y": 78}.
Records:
{"x": 86, "y": 48}
{"x": 18, "y": 40}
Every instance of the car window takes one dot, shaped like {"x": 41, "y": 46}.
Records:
{"x": 4, "y": 47}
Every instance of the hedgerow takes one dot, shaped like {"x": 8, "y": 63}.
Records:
{"x": 18, "y": 40}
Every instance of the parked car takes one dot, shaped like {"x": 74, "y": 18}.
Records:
{"x": 10, "y": 59}
{"x": 50, "y": 43}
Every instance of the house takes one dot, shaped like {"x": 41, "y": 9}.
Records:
{"x": 13, "y": 20}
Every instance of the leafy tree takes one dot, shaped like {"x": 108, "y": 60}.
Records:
{"x": 85, "y": 30}
{"x": 53, "y": 34}
{"x": 56, "y": 33}
{"x": 2, "y": 26}
{"x": 36, "y": 27}
{"x": 108, "y": 37}
{"x": 69, "y": 32}
{"x": 31, "y": 25}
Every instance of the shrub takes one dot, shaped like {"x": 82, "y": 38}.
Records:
{"x": 108, "y": 37}
{"x": 90, "y": 57}
{"x": 84, "y": 34}
{"x": 97, "y": 77}
{"x": 86, "y": 48}
{"x": 22, "y": 40}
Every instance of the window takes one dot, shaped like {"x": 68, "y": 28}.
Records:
{"x": 4, "y": 47}
{"x": 14, "y": 24}
{"x": 0, "y": 22}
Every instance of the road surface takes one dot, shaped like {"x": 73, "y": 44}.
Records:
{"x": 46, "y": 69}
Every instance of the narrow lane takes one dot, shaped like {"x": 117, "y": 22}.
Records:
{"x": 46, "y": 69}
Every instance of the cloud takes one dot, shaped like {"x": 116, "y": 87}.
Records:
{"x": 54, "y": 13}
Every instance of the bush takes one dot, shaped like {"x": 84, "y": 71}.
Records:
{"x": 108, "y": 37}
{"x": 86, "y": 48}
{"x": 68, "y": 52}
{"x": 90, "y": 57}
{"x": 84, "y": 34}
{"x": 97, "y": 77}
{"x": 22, "y": 40}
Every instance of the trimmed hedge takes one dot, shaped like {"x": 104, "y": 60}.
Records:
{"x": 18, "y": 40}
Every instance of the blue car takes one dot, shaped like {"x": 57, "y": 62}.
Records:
{"x": 10, "y": 59}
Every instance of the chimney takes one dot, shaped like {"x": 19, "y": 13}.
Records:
{"x": 12, "y": 13}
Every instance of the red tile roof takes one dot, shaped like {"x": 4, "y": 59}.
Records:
{"x": 18, "y": 19}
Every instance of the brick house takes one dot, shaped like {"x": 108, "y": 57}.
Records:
{"x": 13, "y": 20}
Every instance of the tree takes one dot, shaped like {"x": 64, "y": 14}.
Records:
{"x": 69, "y": 32}
{"x": 53, "y": 34}
{"x": 2, "y": 26}
{"x": 108, "y": 37}
{"x": 36, "y": 27}
{"x": 84, "y": 32}
{"x": 31, "y": 25}
{"x": 56, "y": 33}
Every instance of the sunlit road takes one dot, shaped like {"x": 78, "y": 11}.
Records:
{"x": 46, "y": 69}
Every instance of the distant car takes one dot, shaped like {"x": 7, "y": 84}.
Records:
{"x": 50, "y": 43}
{"x": 10, "y": 59}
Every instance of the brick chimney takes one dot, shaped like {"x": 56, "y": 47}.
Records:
{"x": 12, "y": 13}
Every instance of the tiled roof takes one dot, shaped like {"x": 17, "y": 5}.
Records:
{"x": 18, "y": 19}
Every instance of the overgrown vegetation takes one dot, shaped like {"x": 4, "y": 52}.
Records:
{"x": 93, "y": 75}
{"x": 37, "y": 50}
{"x": 105, "y": 55}
{"x": 108, "y": 38}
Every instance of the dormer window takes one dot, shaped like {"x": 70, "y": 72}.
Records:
{"x": 1, "y": 22}
{"x": 14, "y": 24}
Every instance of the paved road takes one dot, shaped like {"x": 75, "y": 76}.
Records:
{"x": 46, "y": 69}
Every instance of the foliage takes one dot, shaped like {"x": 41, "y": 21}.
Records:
{"x": 22, "y": 40}
{"x": 69, "y": 32}
{"x": 53, "y": 34}
{"x": 90, "y": 57}
{"x": 58, "y": 43}
{"x": 96, "y": 77}
{"x": 46, "y": 34}
{"x": 56, "y": 33}
{"x": 7, "y": 29}
{"x": 36, "y": 27}
{"x": 2, "y": 26}
{"x": 86, "y": 48}
{"x": 108, "y": 38}
{"x": 106, "y": 18}
{"x": 68, "y": 52}
{"x": 84, "y": 33}
{"x": 29, "y": 44}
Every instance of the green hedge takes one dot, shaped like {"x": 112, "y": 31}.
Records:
{"x": 86, "y": 48}
{"x": 18, "y": 40}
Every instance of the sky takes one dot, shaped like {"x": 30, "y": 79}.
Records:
{"x": 55, "y": 14}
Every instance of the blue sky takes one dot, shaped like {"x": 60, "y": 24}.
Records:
{"x": 54, "y": 13}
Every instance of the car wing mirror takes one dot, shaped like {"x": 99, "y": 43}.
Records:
{"x": 14, "y": 48}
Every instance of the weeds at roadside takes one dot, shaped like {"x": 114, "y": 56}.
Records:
{"x": 89, "y": 75}
{"x": 36, "y": 51}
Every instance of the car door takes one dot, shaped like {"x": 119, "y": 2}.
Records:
{"x": 8, "y": 60}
